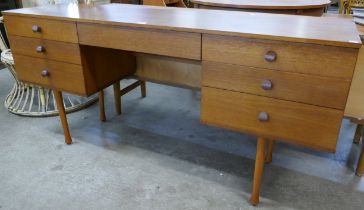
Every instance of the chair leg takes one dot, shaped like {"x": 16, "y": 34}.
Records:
{"x": 143, "y": 88}
{"x": 360, "y": 166}
{"x": 358, "y": 134}
{"x": 258, "y": 171}
{"x": 269, "y": 154}
{"x": 117, "y": 97}
{"x": 62, "y": 114}
{"x": 102, "y": 106}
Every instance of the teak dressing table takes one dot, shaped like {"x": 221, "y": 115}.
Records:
{"x": 276, "y": 76}
{"x": 297, "y": 7}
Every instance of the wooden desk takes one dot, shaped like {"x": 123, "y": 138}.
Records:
{"x": 299, "y": 7}
{"x": 275, "y": 76}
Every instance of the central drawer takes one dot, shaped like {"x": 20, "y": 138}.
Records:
{"x": 52, "y": 74}
{"x": 310, "y": 89}
{"x": 278, "y": 55}
{"x": 159, "y": 42}
{"x": 303, "y": 124}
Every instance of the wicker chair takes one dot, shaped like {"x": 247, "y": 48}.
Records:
{"x": 346, "y": 5}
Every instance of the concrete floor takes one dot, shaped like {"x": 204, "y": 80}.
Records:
{"x": 158, "y": 156}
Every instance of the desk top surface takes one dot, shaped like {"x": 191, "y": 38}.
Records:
{"x": 265, "y": 4}
{"x": 304, "y": 29}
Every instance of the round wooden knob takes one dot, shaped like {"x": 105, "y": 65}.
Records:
{"x": 36, "y": 28}
{"x": 270, "y": 56}
{"x": 40, "y": 49}
{"x": 45, "y": 73}
{"x": 266, "y": 84}
{"x": 263, "y": 117}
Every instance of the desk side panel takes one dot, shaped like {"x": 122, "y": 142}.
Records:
{"x": 103, "y": 67}
{"x": 355, "y": 103}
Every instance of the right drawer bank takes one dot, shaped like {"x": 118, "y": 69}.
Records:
{"x": 286, "y": 91}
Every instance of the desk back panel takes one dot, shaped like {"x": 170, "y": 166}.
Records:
{"x": 170, "y": 71}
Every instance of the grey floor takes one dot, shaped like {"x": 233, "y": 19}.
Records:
{"x": 158, "y": 156}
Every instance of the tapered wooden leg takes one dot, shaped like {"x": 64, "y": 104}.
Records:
{"x": 62, "y": 115}
{"x": 360, "y": 167}
{"x": 143, "y": 89}
{"x": 117, "y": 97}
{"x": 269, "y": 152}
{"x": 258, "y": 170}
{"x": 358, "y": 134}
{"x": 102, "y": 106}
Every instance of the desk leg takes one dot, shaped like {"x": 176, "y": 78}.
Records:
{"x": 358, "y": 134}
{"x": 102, "y": 114}
{"x": 117, "y": 97}
{"x": 62, "y": 115}
{"x": 360, "y": 166}
{"x": 143, "y": 89}
{"x": 258, "y": 170}
{"x": 269, "y": 152}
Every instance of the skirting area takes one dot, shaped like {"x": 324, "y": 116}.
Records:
{"x": 158, "y": 156}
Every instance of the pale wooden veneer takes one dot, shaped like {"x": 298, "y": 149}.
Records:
{"x": 169, "y": 43}
{"x": 298, "y": 123}
{"x": 49, "y": 29}
{"x": 53, "y": 50}
{"x": 62, "y": 76}
{"x": 324, "y": 31}
{"x": 293, "y": 57}
{"x": 310, "y": 89}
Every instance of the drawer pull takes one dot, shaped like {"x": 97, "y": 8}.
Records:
{"x": 270, "y": 56}
{"x": 36, "y": 28}
{"x": 40, "y": 49}
{"x": 263, "y": 117}
{"x": 45, "y": 73}
{"x": 266, "y": 84}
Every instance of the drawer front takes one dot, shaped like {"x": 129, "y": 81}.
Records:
{"x": 310, "y": 89}
{"x": 40, "y": 48}
{"x": 302, "y": 124}
{"x": 168, "y": 43}
{"x": 41, "y": 28}
{"x": 285, "y": 56}
{"x": 62, "y": 76}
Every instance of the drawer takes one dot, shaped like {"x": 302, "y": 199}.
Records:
{"x": 44, "y": 29}
{"x": 40, "y": 48}
{"x": 160, "y": 42}
{"x": 310, "y": 89}
{"x": 62, "y": 76}
{"x": 285, "y": 56}
{"x": 296, "y": 123}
